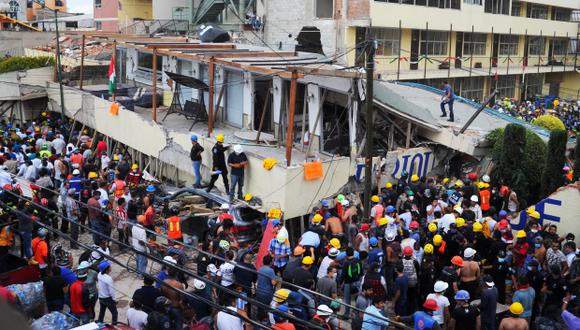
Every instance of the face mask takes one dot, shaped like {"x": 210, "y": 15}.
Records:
{"x": 501, "y": 259}
{"x": 534, "y": 231}
{"x": 538, "y": 245}
{"x": 411, "y": 198}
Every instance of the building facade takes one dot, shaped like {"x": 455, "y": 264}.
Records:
{"x": 35, "y": 12}
{"x": 119, "y": 15}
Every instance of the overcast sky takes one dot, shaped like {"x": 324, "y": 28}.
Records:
{"x": 80, "y": 6}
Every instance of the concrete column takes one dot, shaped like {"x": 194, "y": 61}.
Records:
{"x": 277, "y": 84}
{"x": 132, "y": 59}
{"x": 248, "y": 108}
{"x": 195, "y": 74}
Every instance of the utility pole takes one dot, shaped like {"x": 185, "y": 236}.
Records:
{"x": 370, "y": 63}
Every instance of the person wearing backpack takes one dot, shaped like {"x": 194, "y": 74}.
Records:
{"x": 352, "y": 273}
{"x": 78, "y": 300}
{"x": 411, "y": 269}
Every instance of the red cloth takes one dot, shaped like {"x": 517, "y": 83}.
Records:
{"x": 76, "y": 298}
{"x": 101, "y": 147}
{"x": 268, "y": 236}
{"x": 7, "y": 295}
{"x": 149, "y": 216}
{"x": 522, "y": 250}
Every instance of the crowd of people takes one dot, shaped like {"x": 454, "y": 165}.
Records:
{"x": 567, "y": 111}
{"x": 430, "y": 253}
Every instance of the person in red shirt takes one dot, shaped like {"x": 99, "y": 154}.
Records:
{"x": 101, "y": 147}
{"x": 76, "y": 298}
{"x": 520, "y": 250}
{"x": 40, "y": 250}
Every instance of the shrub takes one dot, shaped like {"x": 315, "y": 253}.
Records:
{"x": 552, "y": 176}
{"x": 549, "y": 122}
{"x": 18, "y": 63}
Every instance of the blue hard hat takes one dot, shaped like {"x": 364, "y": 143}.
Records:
{"x": 104, "y": 265}
{"x": 373, "y": 241}
{"x": 283, "y": 308}
{"x": 194, "y": 137}
{"x": 404, "y": 174}
{"x": 327, "y": 215}
{"x": 502, "y": 213}
{"x": 150, "y": 188}
{"x": 275, "y": 222}
{"x": 390, "y": 209}
{"x": 462, "y": 295}
{"x": 325, "y": 203}
{"x": 416, "y": 237}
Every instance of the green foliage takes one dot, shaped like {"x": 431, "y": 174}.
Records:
{"x": 549, "y": 122}
{"x": 18, "y": 63}
{"x": 552, "y": 176}
{"x": 534, "y": 158}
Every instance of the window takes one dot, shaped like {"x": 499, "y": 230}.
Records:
{"x": 508, "y": 44}
{"x": 97, "y": 3}
{"x": 538, "y": 11}
{"x": 145, "y": 62}
{"x": 559, "y": 46}
{"x": 561, "y": 14}
{"x": 516, "y": 8}
{"x": 472, "y": 88}
{"x": 506, "y": 86}
{"x": 534, "y": 84}
{"x": 474, "y": 44}
{"x": 434, "y": 42}
{"x": 537, "y": 46}
{"x": 388, "y": 41}
{"x": 324, "y": 8}
{"x": 98, "y": 25}
{"x": 14, "y": 6}
{"x": 472, "y": 2}
{"x": 29, "y": 4}
{"x": 497, "y": 7}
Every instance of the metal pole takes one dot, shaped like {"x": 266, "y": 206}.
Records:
{"x": 114, "y": 57}
{"x": 426, "y": 49}
{"x": 540, "y": 53}
{"x": 566, "y": 51}
{"x": 477, "y": 112}
{"x": 552, "y": 56}
{"x": 471, "y": 51}
{"x": 523, "y": 92}
{"x": 369, "y": 125}
{"x": 291, "y": 111}
{"x": 211, "y": 72}
{"x": 154, "y": 98}
{"x": 507, "y": 72}
{"x": 449, "y": 68}
{"x": 491, "y": 55}
{"x": 59, "y": 67}
{"x": 576, "y": 50}
{"x": 82, "y": 63}
{"x": 399, "y": 59}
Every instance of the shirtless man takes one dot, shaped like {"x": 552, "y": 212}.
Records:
{"x": 348, "y": 213}
{"x": 513, "y": 321}
{"x": 334, "y": 226}
{"x": 469, "y": 274}
{"x": 175, "y": 311}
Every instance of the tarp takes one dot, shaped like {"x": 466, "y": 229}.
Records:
{"x": 266, "y": 238}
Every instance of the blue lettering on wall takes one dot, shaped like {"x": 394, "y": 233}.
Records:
{"x": 540, "y": 207}
{"x": 418, "y": 161}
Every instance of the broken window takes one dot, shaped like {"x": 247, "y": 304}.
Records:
{"x": 324, "y": 8}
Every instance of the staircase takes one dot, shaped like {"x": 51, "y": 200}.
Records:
{"x": 208, "y": 11}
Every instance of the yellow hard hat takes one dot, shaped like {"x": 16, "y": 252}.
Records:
{"x": 428, "y": 248}
{"x": 432, "y": 227}
{"x": 219, "y": 138}
{"x": 43, "y": 114}
{"x": 414, "y": 178}
{"x": 317, "y": 218}
{"x": 383, "y": 221}
{"x": 534, "y": 215}
{"x": 437, "y": 240}
{"x": 92, "y": 175}
{"x": 460, "y": 222}
{"x": 248, "y": 197}
{"x": 530, "y": 209}
{"x": 445, "y": 181}
{"x": 388, "y": 185}
{"x": 459, "y": 183}
{"x": 307, "y": 260}
{"x": 281, "y": 295}
{"x": 335, "y": 243}
{"x": 375, "y": 199}
{"x": 516, "y": 308}
{"x": 481, "y": 185}
{"x": 477, "y": 227}
{"x": 134, "y": 166}
{"x": 521, "y": 234}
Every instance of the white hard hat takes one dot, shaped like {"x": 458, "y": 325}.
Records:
{"x": 198, "y": 285}
{"x": 469, "y": 252}
{"x": 76, "y": 172}
{"x": 345, "y": 202}
{"x": 485, "y": 178}
{"x": 333, "y": 252}
{"x": 238, "y": 149}
{"x": 225, "y": 206}
{"x": 212, "y": 268}
{"x": 83, "y": 265}
{"x": 323, "y": 310}
{"x": 474, "y": 198}
{"x": 170, "y": 259}
{"x": 440, "y": 286}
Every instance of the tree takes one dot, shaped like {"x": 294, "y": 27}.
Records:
{"x": 549, "y": 122}
{"x": 552, "y": 176}
{"x": 510, "y": 161}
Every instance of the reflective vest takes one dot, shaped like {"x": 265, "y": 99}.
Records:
{"x": 134, "y": 177}
{"x": 379, "y": 211}
{"x": 119, "y": 188}
{"x": 485, "y": 196}
{"x": 423, "y": 321}
{"x": 45, "y": 153}
{"x": 174, "y": 227}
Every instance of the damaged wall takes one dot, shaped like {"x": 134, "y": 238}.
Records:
{"x": 27, "y": 84}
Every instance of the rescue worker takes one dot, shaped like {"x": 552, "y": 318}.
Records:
{"x": 423, "y": 320}
{"x": 118, "y": 188}
{"x": 174, "y": 224}
{"x": 219, "y": 163}
{"x": 513, "y": 321}
{"x": 134, "y": 177}
{"x": 377, "y": 209}
{"x": 195, "y": 156}
{"x": 6, "y": 239}
{"x": 40, "y": 251}
{"x": 44, "y": 152}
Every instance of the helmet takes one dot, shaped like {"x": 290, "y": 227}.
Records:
{"x": 390, "y": 236}
{"x": 408, "y": 251}
{"x": 345, "y": 203}
{"x": 323, "y": 310}
{"x": 474, "y": 198}
{"x": 83, "y": 265}
{"x": 373, "y": 241}
{"x": 535, "y": 215}
{"x": 104, "y": 265}
{"x": 194, "y": 138}
{"x": 335, "y": 243}
{"x": 460, "y": 222}
{"x": 161, "y": 302}
{"x": 93, "y": 175}
{"x": 477, "y": 227}
{"x": 325, "y": 203}
{"x": 150, "y": 188}
{"x": 414, "y": 225}
{"x": 134, "y": 166}
{"x": 432, "y": 227}
{"x": 307, "y": 260}
{"x": 472, "y": 176}
{"x": 219, "y": 138}
{"x": 281, "y": 238}
{"x": 383, "y": 222}
{"x": 76, "y": 172}
{"x": 428, "y": 248}
{"x": 42, "y": 232}
{"x": 317, "y": 218}
{"x": 459, "y": 183}
{"x": 225, "y": 207}
{"x": 430, "y": 304}
{"x": 390, "y": 209}
{"x": 503, "y": 224}
{"x": 530, "y": 209}
{"x": 404, "y": 174}
{"x": 457, "y": 261}
{"x": 248, "y": 197}
{"x": 445, "y": 180}
{"x": 333, "y": 252}
{"x": 340, "y": 198}
{"x": 437, "y": 239}
{"x": 516, "y": 308}
{"x": 457, "y": 209}
{"x": 198, "y": 285}
{"x": 224, "y": 245}
{"x": 238, "y": 149}
{"x": 481, "y": 185}
{"x": 462, "y": 295}
{"x": 485, "y": 178}
{"x": 375, "y": 199}
{"x": 174, "y": 209}
{"x": 44, "y": 147}
{"x": 521, "y": 234}
{"x": 440, "y": 286}
{"x": 44, "y": 201}
{"x": 388, "y": 185}
{"x": 502, "y": 214}
{"x": 414, "y": 178}
{"x": 469, "y": 252}
{"x": 281, "y": 295}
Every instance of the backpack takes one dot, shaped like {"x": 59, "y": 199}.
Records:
{"x": 352, "y": 271}
{"x": 410, "y": 271}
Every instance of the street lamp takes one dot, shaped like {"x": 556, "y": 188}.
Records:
{"x": 58, "y": 66}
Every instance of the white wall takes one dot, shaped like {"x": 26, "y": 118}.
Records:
{"x": 163, "y": 9}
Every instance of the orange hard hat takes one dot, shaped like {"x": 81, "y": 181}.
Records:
{"x": 457, "y": 261}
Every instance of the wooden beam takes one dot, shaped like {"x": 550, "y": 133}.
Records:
{"x": 191, "y": 46}
{"x": 251, "y": 54}
{"x": 154, "y": 112}
{"x": 264, "y": 113}
{"x": 211, "y": 92}
{"x": 408, "y": 136}
{"x": 291, "y": 110}
{"x": 219, "y": 99}
{"x": 82, "y": 62}
{"x": 330, "y": 72}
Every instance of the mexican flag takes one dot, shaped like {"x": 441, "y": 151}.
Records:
{"x": 112, "y": 76}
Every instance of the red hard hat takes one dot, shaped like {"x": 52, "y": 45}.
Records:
{"x": 503, "y": 224}
{"x": 44, "y": 201}
{"x": 7, "y": 186}
{"x": 430, "y": 304}
{"x": 365, "y": 227}
{"x": 472, "y": 176}
{"x": 408, "y": 251}
{"x": 414, "y": 225}
{"x": 457, "y": 261}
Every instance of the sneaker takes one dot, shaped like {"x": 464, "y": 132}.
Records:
{"x": 450, "y": 120}
{"x": 443, "y": 115}
{"x": 32, "y": 261}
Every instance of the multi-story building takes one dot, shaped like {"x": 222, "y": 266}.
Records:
{"x": 35, "y": 11}
{"x": 522, "y": 48}
{"x": 117, "y": 15}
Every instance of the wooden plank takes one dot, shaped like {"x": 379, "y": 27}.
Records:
{"x": 210, "y": 97}
{"x": 291, "y": 110}
{"x": 250, "y": 54}
{"x": 263, "y": 113}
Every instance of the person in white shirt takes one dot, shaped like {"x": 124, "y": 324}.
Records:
{"x": 326, "y": 262}
{"x": 226, "y": 270}
{"x": 136, "y": 318}
{"x": 442, "y": 311}
{"x": 105, "y": 160}
{"x": 106, "y": 293}
{"x": 436, "y": 206}
{"x": 225, "y": 321}
{"x": 139, "y": 243}
{"x": 58, "y": 144}
{"x": 475, "y": 207}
